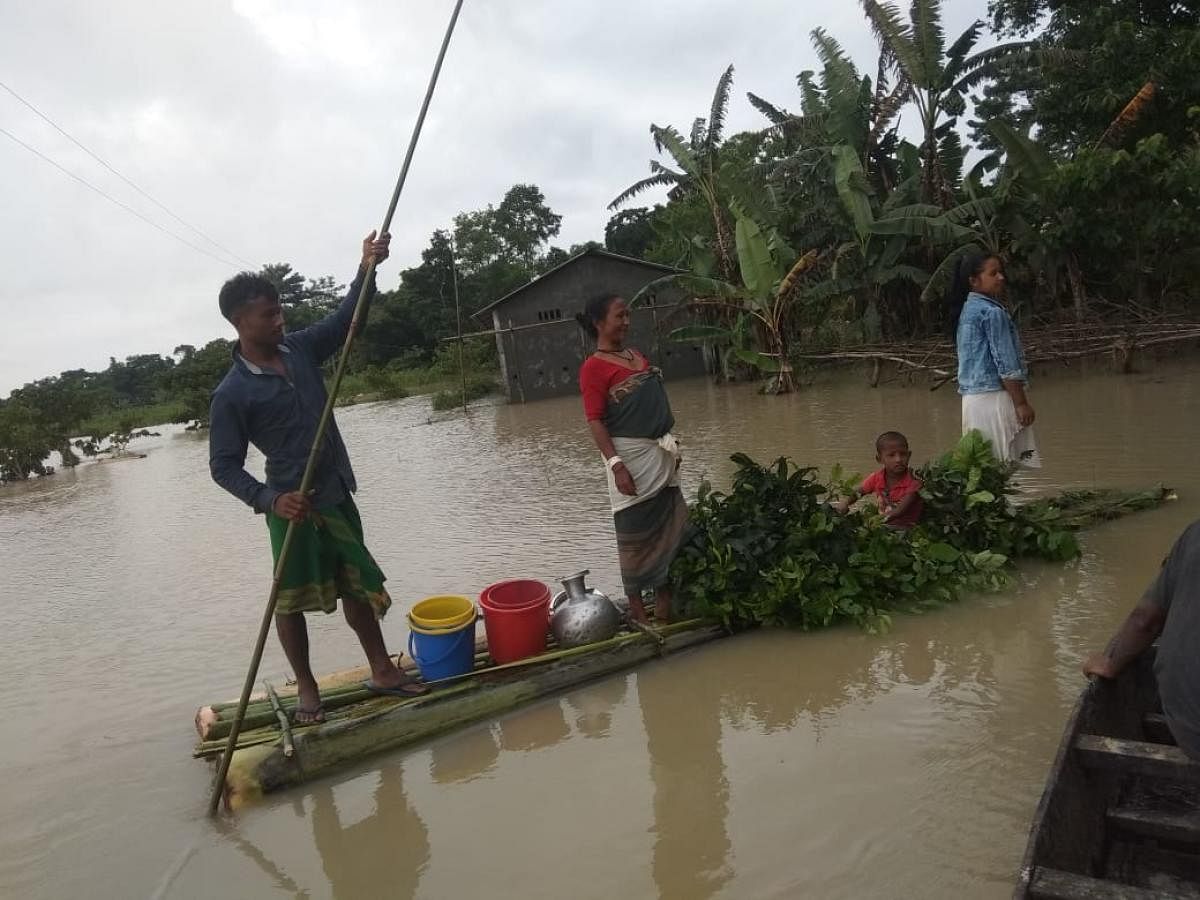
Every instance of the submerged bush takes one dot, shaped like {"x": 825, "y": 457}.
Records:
{"x": 772, "y": 551}
{"x": 478, "y": 385}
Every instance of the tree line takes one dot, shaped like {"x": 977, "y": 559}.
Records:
{"x": 824, "y": 225}
{"x": 483, "y": 255}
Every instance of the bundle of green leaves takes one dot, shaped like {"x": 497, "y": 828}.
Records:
{"x": 772, "y": 551}
{"x": 966, "y": 504}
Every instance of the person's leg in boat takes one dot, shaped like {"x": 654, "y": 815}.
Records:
{"x": 365, "y": 600}
{"x": 386, "y": 676}
{"x": 637, "y": 611}
{"x": 663, "y": 595}
{"x": 293, "y": 635}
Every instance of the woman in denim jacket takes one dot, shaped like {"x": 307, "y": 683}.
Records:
{"x": 992, "y": 374}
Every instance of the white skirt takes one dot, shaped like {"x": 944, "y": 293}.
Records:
{"x": 994, "y": 415}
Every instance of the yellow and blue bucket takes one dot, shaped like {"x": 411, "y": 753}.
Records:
{"x": 442, "y": 636}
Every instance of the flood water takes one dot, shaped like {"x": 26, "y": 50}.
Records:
{"x": 832, "y": 764}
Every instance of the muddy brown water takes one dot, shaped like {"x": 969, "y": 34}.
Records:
{"x": 833, "y": 764}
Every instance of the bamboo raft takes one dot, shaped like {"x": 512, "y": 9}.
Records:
{"x": 1120, "y": 815}
{"x": 273, "y": 754}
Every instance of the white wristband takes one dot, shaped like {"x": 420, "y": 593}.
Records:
{"x": 612, "y": 461}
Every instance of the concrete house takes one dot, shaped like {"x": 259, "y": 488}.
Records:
{"x": 541, "y": 346}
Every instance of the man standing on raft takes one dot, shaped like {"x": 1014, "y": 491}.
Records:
{"x": 272, "y": 397}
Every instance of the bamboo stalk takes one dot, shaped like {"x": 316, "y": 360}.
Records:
{"x": 648, "y": 630}
{"x": 372, "y": 706}
{"x": 346, "y": 706}
{"x": 285, "y": 727}
{"x": 322, "y": 426}
{"x": 335, "y": 683}
{"x": 261, "y": 703}
{"x": 492, "y": 332}
{"x": 552, "y": 656}
{"x": 262, "y": 714}
{"x": 859, "y": 354}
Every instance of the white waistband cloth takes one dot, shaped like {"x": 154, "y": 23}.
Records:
{"x": 654, "y": 465}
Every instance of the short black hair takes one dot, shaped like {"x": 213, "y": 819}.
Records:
{"x": 890, "y": 437}
{"x": 241, "y": 289}
{"x": 594, "y": 312}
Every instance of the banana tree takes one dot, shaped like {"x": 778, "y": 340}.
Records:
{"x": 1028, "y": 169}
{"x": 998, "y": 223}
{"x": 888, "y": 235}
{"x": 698, "y": 168}
{"x": 760, "y": 303}
{"x": 938, "y": 77}
{"x": 841, "y": 107}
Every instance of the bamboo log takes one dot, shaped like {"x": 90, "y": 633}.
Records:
{"x": 285, "y": 727}
{"x": 335, "y": 682}
{"x": 262, "y": 769}
{"x": 649, "y": 630}
{"x": 213, "y": 722}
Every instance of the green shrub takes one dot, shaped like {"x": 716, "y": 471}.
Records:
{"x": 478, "y": 385}
{"x": 772, "y": 551}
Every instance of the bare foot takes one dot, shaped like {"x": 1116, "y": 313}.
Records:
{"x": 308, "y": 704}
{"x": 302, "y": 715}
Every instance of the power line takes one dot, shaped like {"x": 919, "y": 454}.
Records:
{"x": 114, "y": 200}
{"x": 129, "y": 182}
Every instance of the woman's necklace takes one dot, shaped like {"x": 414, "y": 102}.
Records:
{"x": 626, "y": 354}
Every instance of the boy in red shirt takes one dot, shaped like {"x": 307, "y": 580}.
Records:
{"x": 895, "y": 485}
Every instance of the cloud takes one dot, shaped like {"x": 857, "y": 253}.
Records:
{"x": 306, "y": 35}
{"x": 277, "y": 127}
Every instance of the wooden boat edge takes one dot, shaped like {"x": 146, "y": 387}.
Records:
{"x": 1069, "y": 832}
{"x": 1063, "y": 758}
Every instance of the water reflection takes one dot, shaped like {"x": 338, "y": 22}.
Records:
{"x": 255, "y": 854}
{"x": 594, "y": 707}
{"x": 691, "y": 792}
{"x": 780, "y": 686}
{"x": 464, "y": 757}
{"x": 535, "y": 728}
{"x": 381, "y": 854}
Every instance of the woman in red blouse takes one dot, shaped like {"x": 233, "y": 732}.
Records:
{"x": 630, "y": 420}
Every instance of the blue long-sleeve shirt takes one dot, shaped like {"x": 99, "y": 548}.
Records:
{"x": 279, "y": 416}
{"x": 989, "y": 348}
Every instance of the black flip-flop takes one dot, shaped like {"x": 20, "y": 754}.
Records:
{"x": 407, "y": 689}
{"x": 317, "y": 713}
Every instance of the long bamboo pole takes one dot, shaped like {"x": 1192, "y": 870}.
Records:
{"x": 306, "y": 482}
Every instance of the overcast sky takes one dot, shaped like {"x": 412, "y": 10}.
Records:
{"x": 277, "y": 127}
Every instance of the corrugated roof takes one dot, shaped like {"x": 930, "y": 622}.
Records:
{"x": 591, "y": 251}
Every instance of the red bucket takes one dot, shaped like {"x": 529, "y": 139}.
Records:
{"x": 515, "y": 593}
{"x": 516, "y": 616}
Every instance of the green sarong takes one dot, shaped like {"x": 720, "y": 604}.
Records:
{"x": 327, "y": 560}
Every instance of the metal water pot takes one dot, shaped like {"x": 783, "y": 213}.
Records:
{"x": 582, "y": 615}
